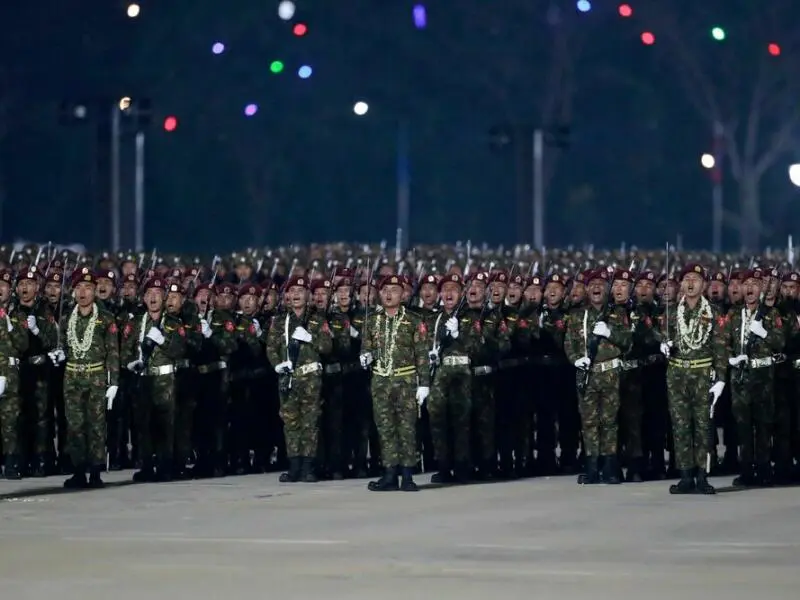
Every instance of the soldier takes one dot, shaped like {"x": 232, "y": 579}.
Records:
{"x": 754, "y": 334}
{"x": 788, "y": 411}
{"x": 90, "y": 379}
{"x": 395, "y": 345}
{"x": 151, "y": 344}
{"x": 14, "y": 341}
{"x": 295, "y": 342}
{"x": 57, "y": 304}
{"x": 594, "y": 342}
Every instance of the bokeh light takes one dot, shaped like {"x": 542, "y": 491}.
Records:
{"x": 304, "y": 72}
{"x": 718, "y": 33}
{"x": 276, "y": 66}
{"x": 125, "y": 103}
{"x": 707, "y": 160}
{"x": 584, "y": 6}
{"x": 218, "y": 48}
{"x": 625, "y": 10}
{"x": 170, "y": 124}
{"x": 420, "y": 17}
{"x": 286, "y": 10}
{"x": 774, "y": 49}
{"x": 648, "y": 39}
{"x": 134, "y": 10}
{"x": 794, "y": 174}
{"x": 250, "y": 110}
{"x": 360, "y": 108}
{"x": 300, "y": 29}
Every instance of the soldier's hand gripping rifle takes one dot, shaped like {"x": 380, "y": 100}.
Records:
{"x": 747, "y": 350}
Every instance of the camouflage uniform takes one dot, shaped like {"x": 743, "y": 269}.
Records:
{"x": 13, "y": 343}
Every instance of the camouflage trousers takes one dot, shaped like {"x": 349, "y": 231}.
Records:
{"x": 9, "y": 413}
{"x": 599, "y": 408}
{"x": 631, "y": 412}
{"x": 85, "y": 409}
{"x": 301, "y": 409}
{"x": 754, "y": 411}
{"x": 394, "y": 407}
{"x": 689, "y": 407}
{"x": 449, "y": 408}
{"x": 483, "y": 417}
{"x": 36, "y": 420}
{"x": 154, "y": 413}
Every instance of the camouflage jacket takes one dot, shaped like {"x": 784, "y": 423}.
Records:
{"x": 496, "y": 337}
{"x": 280, "y": 343}
{"x": 738, "y": 334}
{"x": 399, "y": 345}
{"x": 134, "y": 333}
{"x": 222, "y": 342}
{"x": 104, "y": 346}
{"x": 39, "y": 345}
{"x": 715, "y": 345}
{"x": 468, "y": 342}
{"x": 579, "y": 333}
{"x": 14, "y": 343}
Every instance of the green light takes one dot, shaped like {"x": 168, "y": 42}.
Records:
{"x": 718, "y": 33}
{"x": 276, "y": 66}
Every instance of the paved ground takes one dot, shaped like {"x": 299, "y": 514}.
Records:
{"x": 250, "y": 537}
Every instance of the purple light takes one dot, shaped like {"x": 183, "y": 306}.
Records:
{"x": 250, "y": 110}
{"x": 218, "y": 48}
{"x": 420, "y": 19}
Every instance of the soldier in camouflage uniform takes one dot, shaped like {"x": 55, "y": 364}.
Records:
{"x": 14, "y": 341}
{"x": 787, "y": 395}
{"x": 693, "y": 340}
{"x": 151, "y": 344}
{"x": 90, "y": 380}
{"x": 295, "y": 342}
{"x": 395, "y": 346}
{"x": 754, "y": 334}
{"x": 594, "y": 342}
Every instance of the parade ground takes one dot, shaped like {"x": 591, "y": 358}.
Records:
{"x": 252, "y": 537}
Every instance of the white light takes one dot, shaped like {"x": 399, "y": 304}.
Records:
{"x": 125, "y": 103}
{"x": 360, "y": 108}
{"x": 794, "y": 174}
{"x": 79, "y": 112}
{"x": 286, "y": 10}
{"x": 133, "y": 10}
{"x": 707, "y": 160}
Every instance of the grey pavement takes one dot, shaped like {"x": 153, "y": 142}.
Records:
{"x": 251, "y": 537}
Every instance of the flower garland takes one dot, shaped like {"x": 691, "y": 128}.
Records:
{"x": 80, "y": 348}
{"x": 390, "y": 328}
{"x": 694, "y": 334}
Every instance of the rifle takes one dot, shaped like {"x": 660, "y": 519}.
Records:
{"x": 751, "y": 338}
{"x": 711, "y": 429}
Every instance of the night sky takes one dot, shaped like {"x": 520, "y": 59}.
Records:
{"x": 625, "y": 122}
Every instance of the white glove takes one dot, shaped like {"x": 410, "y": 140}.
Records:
{"x": 257, "y": 327}
{"x": 541, "y": 320}
{"x": 365, "y": 359}
{"x": 284, "y": 367}
{"x": 57, "y": 356}
{"x": 601, "y": 329}
{"x": 735, "y": 360}
{"x": 433, "y": 358}
{"x": 452, "y": 327}
{"x": 155, "y": 335}
{"x": 301, "y": 334}
{"x": 134, "y": 366}
{"x": 2, "y": 385}
{"x": 33, "y": 327}
{"x": 422, "y": 393}
{"x": 205, "y": 328}
{"x": 583, "y": 363}
{"x": 111, "y": 393}
{"x": 666, "y": 348}
{"x": 353, "y": 332}
{"x": 756, "y": 328}
{"x": 9, "y": 326}
{"x": 716, "y": 389}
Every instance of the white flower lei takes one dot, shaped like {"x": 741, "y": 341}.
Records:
{"x": 385, "y": 366}
{"x": 80, "y": 348}
{"x": 694, "y": 335}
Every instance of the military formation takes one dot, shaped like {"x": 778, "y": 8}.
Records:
{"x": 341, "y": 361}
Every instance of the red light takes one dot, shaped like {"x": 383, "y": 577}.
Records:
{"x": 774, "y": 49}
{"x": 300, "y": 30}
{"x": 170, "y": 124}
{"x": 648, "y": 39}
{"x": 625, "y": 10}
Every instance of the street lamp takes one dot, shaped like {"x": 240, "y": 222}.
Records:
{"x": 794, "y": 174}
{"x": 708, "y": 161}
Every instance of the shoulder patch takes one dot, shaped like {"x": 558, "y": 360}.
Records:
{"x": 423, "y": 329}
{"x": 503, "y": 326}
{"x": 523, "y": 323}
{"x": 112, "y": 329}
{"x": 229, "y": 327}
{"x": 252, "y": 328}
{"x": 778, "y": 321}
{"x": 560, "y": 325}
{"x": 477, "y": 324}
{"x": 126, "y": 331}
{"x": 722, "y": 321}
{"x": 181, "y": 331}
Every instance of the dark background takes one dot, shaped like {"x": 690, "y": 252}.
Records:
{"x": 626, "y": 122}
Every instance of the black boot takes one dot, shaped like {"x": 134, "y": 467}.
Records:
{"x": 293, "y": 474}
{"x": 94, "y": 478}
{"x": 443, "y": 475}
{"x": 164, "y": 471}
{"x": 463, "y": 473}
{"x": 764, "y": 475}
{"x": 702, "y": 485}
{"x": 634, "y": 474}
{"x": 308, "y": 475}
{"x": 12, "y": 467}
{"x": 78, "y": 479}
{"x": 38, "y": 466}
{"x": 387, "y": 483}
{"x": 592, "y": 475}
{"x": 408, "y": 484}
{"x": 685, "y": 485}
{"x": 611, "y": 470}
{"x": 747, "y": 478}
{"x": 147, "y": 474}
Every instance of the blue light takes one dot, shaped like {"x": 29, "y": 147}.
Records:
{"x": 584, "y": 6}
{"x": 304, "y": 72}
{"x": 420, "y": 17}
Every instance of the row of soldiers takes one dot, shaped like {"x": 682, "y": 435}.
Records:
{"x": 159, "y": 369}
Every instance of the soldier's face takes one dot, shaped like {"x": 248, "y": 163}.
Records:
{"x": 271, "y": 300}
{"x": 554, "y": 292}
{"x": 428, "y": 293}
{"x": 368, "y": 295}
{"x": 514, "y": 294}
{"x": 476, "y": 292}
{"x": 534, "y": 294}
{"x": 672, "y": 291}
{"x": 244, "y": 272}
{"x": 343, "y": 293}
{"x": 661, "y": 288}
{"x": 321, "y": 298}
{"x": 224, "y": 301}
{"x": 621, "y": 291}
{"x": 84, "y": 294}
{"x": 27, "y": 289}
{"x": 772, "y": 288}
{"x": 203, "y": 300}
{"x": 128, "y": 268}
{"x": 645, "y": 290}
{"x": 735, "y": 291}
{"x": 407, "y": 291}
{"x": 451, "y": 294}
{"x": 789, "y": 289}
{"x": 248, "y": 304}
{"x": 52, "y": 291}
{"x": 297, "y": 296}
{"x": 5, "y": 291}
{"x": 104, "y": 288}
{"x": 498, "y": 291}
{"x": 174, "y": 303}
{"x": 578, "y": 292}
{"x": 129, "y": 290}
{"x": 154, "y": 300}
{"x": 752, "y": 290}
{"x": 597, "y": 291}
{"x": 693, "y": 285}
{"x": 716, "y": 291}
{"x": 392, "y": 295}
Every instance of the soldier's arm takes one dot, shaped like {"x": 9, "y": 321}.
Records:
{"x": 573, "y": 342}
{"x": 48, "y": 332}
{"x": 321, "y": 335}
{"x": 128, "y": 343}
{"x": 366, "y": 342}
{"x": 224, "y": 338}
{"x": 776, "y": 335}
{"x": 502, "y": 336}
{"x": 421, "y": 346}
{"x": 720, "y": 349}
{"x": 621, "y": 333}
{"x": 174, "y": 345}
{"x": 111, "y": 341}
{"x": 18, "y": 334}
{"x": 275, "y": 354}
{"x": 251, "y": 337}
